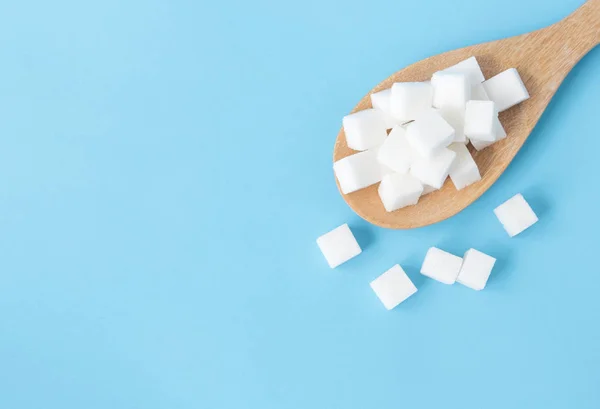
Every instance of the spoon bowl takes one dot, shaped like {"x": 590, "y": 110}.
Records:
{"x": 543, "y": 59}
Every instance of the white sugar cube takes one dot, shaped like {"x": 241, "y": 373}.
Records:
{"x": 429, "y": 133}
{"x": 433, "y": 171}
{"x": 464, "y": 170}
{"x": 396, "y": 152}
{"x": 393, "y": 287}
{"x": 506, "y": 89}
{"x": 382, "y": 101}
{"x": 500, "y": 134}
{"x": 480, "y": 120}
{"x": 478, "y": 93}
{"x": 450, "y": 90}
{"x": 365, "y": 129}
{"x": 470, "y": 67}
{"x": 441, "y": 266}
{"x": 515, "y": 215}
{"x": 476, "y": 269}
{"x": 338, "y": 246}
{"x": 410, "y": 99}
{"x": 358, "y": 171}
{"x": 399, "y": 190}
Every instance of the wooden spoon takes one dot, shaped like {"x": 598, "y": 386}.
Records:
{"x": 543, "y": 59}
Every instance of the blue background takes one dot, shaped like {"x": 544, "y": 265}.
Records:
{"x": 165, "y": 169}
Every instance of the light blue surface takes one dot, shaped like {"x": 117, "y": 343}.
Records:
{"x": 165, "y": 169}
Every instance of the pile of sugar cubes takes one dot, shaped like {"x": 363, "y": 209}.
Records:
{"x": 471, "y": 270}
{"x": 431, "y": 125}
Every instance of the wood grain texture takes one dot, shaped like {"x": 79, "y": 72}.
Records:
{"x": 543, "y": 59}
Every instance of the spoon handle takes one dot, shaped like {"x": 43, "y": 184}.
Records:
{"x": 569, "y": 40}
{"x": 582, "y": 27}
{"x": 546, "y": 56}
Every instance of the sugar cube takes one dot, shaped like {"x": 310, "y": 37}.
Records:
{"x": 480, "y": 120}
{"x": 476, "y": 269}
{"x": 450, "y": 89}
{"x": 429, "y": 133}
{"x": 409, "y": 99}
{"x": 433, "y": 171}
{"x": 464, "y": 170}
{"x": 365, "y": 129}
{"x": 469, "y": 67}
{"x": 500, "y": 134}
{"x": 338, "y": 246}
{"x": 515, "y": 215}
{"x": 393, "y": 287}
{"x": 506, "y": 89}
{"x": 441, "y": 266}
{"x": 382, "y": 101}
{"x": 396, "y": 153}
{"x": 358, "y": 171}
{"x": 399, "y": 190}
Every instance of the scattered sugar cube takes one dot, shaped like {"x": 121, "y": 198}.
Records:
{"x": 480, "y": 120}
{"x": 429, "y": 133}
{"x": 410, "y": 99}
{"x": 396, "y": 153}
{"x": 476, "y": 269}
{"x": 338, "y": 246}
{"x": 506, "y": 89}
{"x": 358, "y": 171}
{"x": 500, "y": 134}
{"x": 441, "y": 266}
{"x": 464, "y": 170}
{"x": 450, "y": 89}
{"x": 393, "y": 287}
{"x": 470, "y": 67}
{"x": 515, "y": 215}
{"x": 382, "y": 101}
{"x": 365, "y": 129}
{"x": 478, "y": 93}
{"x": 433, "y": 171}
{"x": 399, "y": 190}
